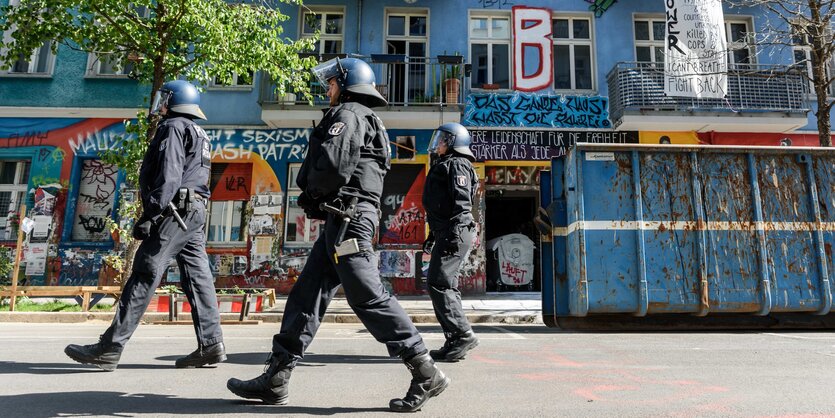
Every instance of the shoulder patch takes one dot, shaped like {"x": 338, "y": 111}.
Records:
{"x": 336, "y": 128}
{"x": 461, "y": 180}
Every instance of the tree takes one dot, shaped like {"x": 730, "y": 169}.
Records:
{"x": 807, "y": 27}
{"x": 197, "y": 40}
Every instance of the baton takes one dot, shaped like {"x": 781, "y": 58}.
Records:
{"x": 177, "y": 216}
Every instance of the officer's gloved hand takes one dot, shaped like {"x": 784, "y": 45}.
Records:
{"x": 429, "y": 243}
{"x": 142, "y": 229}
{"x": 311, "y": 207}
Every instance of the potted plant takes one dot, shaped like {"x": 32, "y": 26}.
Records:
{"x": 452, "y": 83}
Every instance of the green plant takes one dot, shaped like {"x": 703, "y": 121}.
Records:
{"x": 6, "y": 265}
{"x": 171, "y": 289}
{"x": 452, "y": 71}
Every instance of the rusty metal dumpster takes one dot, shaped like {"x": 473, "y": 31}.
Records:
{"x": 689, "y": 236}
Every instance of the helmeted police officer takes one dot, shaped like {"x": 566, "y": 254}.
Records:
{"x": 448, "y": 196}
{"x": 347, "y": 159}
{"x": 174, "y": 188}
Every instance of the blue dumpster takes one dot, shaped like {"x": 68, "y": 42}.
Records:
{"x": 689, "y": 236}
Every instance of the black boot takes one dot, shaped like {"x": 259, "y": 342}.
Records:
{"x": 271, "y": 387}
{"x": 427, "y": 381}
{"x": 203, "y": 356}
{"x": 101, "y": 355}
{"x": 455, "y": 348}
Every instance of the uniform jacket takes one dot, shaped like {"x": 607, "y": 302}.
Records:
{"x": 348, "y": 156}
{"x": 449, "y": 192}
{"x": 178, "y": 156}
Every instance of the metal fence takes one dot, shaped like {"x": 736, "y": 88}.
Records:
{"x": 402, "y": 80}
{"x": 751, "y": 87}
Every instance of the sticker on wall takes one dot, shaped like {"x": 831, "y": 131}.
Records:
{"x": 267, "y": 204}
{"x": 397, "y": 263}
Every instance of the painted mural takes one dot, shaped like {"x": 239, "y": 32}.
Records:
{"x": 536, "y": 111}
{"x": 538, "y": 145}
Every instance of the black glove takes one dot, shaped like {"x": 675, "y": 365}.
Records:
{"x": 142, "y": 229}
{"x": 311, "y": 207}
{"x": 429, "y": 243}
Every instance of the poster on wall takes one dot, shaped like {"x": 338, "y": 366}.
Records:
{"x": 267, "y": 204}
{"x": 403, "y": 215}
{"x": 96, "y": 200}
{"x": 397, "y": 263}
{"x": 695, "y": 63}
{"x": 35, "y": 256}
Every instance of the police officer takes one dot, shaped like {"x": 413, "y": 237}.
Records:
{"x": 348, "y": 157}
{"x": 175, "y": 172}
{"x": 448, "y": 199}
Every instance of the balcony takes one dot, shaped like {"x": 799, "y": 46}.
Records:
{"x": 760, "y": 98}
{"x": 415, "y": 87}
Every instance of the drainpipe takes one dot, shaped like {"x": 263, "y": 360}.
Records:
{"x": 359, "y": 24}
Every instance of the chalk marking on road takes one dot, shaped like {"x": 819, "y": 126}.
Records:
{"x": 511, "y": 334}
{"x": 798, "y": 337}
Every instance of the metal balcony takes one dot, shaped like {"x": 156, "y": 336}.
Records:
{"x": 759, "y": 98}
{"x": 404, "y": 81}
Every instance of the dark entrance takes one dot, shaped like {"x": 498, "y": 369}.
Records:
{"x": 510, "y": 212}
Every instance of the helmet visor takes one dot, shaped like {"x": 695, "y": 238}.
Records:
{"x": 160, "y": 100}
{"x": 328, "y": 70}
{"x": 438, "y": 138}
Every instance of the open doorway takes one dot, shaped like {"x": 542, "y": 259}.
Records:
{"x": 512, "y": 241}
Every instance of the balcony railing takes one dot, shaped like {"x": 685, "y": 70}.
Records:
{"x": 639, "y": 86}
{"x": 402, "y": 80}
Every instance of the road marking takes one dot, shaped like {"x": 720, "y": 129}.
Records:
{"x": 798, "y": 337}
{"x": 511, "y": 334}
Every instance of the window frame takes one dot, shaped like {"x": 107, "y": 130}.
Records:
{"x": 490, "y": 41}
{"x": 34, "y": 59}
{"x": 323, "y": 36}
{"x": 806, "y": 49}
{"x": 743, "y": 44}
{"x": 572, "y": 42}
{"x": 293, "y": 192}
{"x": 94, "y": 63}
{"x": 214, "y": 85}
{"x": 651, "y": 43}
{"x": 228, "y": 224}
{"x": 18, "y": 192}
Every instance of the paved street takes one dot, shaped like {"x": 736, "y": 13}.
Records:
{"x": 517, "y": 371}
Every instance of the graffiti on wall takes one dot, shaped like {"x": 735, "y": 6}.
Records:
{"x": 79, "y": 267}
{"x": 270, "y": 144}
{"x": 539, "y": 145}
{"x": 96, "y": 198}
{"x": 512, "y": 175}
{"x": 495, "y": 4}
{"x": 533, "y": 67}
{"x": 397, "y": 263}
{"x": 403, "y": 214}
{"x": 598, "y": 7}
{"x": 537, "y": 111}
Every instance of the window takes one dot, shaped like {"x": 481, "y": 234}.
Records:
{"x": 96, "y": 200}
{"x": 226, "y": 219}
{"x": 740, "y": 43}
{"x": 299, "y": 231}
{"x": 802, "y": 50}
{"x": 238, "y": 80}
{"x": 40, "y": 62}
{"x": 330, "y": 24}
{"x": 572, "y": 53}
{"x": 108, "y": 65}
{"x": 649, "y": 40}
{"x": 231, "y": 186}
{"x": 490, "y": 50}
{"x": 14, "y": 180}
{"x": 407, "y": 34}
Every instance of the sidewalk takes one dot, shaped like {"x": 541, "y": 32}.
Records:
{"x": 497, "y": 308}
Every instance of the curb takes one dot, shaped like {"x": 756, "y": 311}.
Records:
{"x": 526, "y": 317}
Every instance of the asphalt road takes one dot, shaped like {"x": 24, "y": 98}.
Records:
{"x": 517, "y": 371}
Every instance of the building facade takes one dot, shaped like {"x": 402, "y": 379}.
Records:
{"x": 529, "y": 79}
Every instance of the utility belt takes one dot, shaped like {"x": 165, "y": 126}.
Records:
{"x": 185, "y": 199}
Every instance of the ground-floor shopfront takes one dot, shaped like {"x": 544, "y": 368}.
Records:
{"x": 258, "y": 237}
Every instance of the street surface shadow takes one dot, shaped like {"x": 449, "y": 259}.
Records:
{"x": 309, "y": 360}
{"x": 13, "y": 367}
{"x": 97, "y": 403}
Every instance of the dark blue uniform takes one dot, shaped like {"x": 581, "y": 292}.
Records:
{"x": 348, "y": 157}
{"x": 178, "y": 156}
{"x": 448, "y": 199}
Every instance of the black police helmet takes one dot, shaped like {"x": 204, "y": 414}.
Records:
{"x": 183, "y": 98}
{"x": 353, "y": 76}
{"x": 456, "y": 137}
